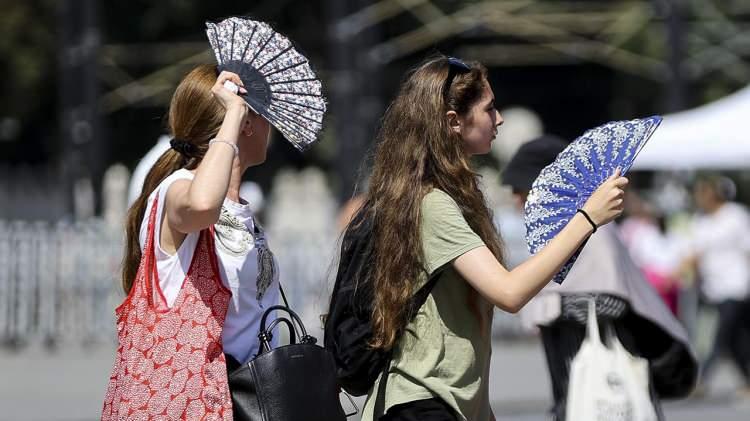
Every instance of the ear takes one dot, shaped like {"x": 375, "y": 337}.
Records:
{"x": 454, "y": 121}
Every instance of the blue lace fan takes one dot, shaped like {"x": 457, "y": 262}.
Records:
{"x": 280, "y": 83}
{"x": 564, "y": 186}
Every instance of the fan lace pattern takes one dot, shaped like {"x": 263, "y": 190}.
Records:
{"x": 564, "y": 186}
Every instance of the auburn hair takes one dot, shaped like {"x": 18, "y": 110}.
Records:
{"x": 195, "y": 116}
{"x": 417, "y": 151}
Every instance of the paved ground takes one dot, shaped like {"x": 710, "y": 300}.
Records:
{"x": 69, "y": 385}
{"x": 521, "y": 389}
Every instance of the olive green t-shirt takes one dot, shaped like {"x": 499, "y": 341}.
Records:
{"x": 444, "y": 352}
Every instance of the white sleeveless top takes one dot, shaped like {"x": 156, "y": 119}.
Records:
{"x": 238, "y": 240}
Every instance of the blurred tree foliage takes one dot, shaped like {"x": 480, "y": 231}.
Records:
{"x": 29, "y": 63}
{"x": 28, "y": 87}
{"x": 141, "y": 37}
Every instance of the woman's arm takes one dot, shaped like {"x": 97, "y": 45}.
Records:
{"x": 511, "y": 290}
{"x": 194, "y": 205}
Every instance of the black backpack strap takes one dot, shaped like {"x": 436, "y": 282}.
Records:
{"x": 379, "y": 410}
{"x": 419, "y": 299}
{"x": 421, "y": 296}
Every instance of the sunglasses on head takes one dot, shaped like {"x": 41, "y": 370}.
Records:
{"x": 457, "y": 62}
{"x": 455, "y": 66}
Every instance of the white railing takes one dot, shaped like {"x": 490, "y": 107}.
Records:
{"x": 59, "y": 282}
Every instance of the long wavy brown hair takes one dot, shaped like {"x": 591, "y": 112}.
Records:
{"x": 194, "y": 116}
{"x": 416, "y": 152}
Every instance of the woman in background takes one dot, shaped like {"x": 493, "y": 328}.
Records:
{"x": 625, "y": 301}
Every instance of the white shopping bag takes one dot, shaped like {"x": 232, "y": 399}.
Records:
{"x": 607, "y": 384}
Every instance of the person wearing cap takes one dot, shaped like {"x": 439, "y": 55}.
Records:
{"x": 624, "y": 300}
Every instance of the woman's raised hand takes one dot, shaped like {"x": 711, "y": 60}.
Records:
{"x": 606, "y": 203}
{"x": 227, "y": 98}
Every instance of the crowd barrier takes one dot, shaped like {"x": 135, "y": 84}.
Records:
{"x": 59, "y": 282}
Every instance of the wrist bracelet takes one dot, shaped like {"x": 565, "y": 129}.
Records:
{"x": 588, "y": 218}
{"x": 214, "y": 140}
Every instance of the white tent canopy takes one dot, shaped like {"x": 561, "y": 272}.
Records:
{"x": 712, "y": 136}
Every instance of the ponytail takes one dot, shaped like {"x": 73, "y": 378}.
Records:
{"x": 195, "y": 117}
{"x": 169, "y": 162}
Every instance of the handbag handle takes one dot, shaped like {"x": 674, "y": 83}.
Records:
{"x": 592, "y": 329}
{"x": 265, "y": 335}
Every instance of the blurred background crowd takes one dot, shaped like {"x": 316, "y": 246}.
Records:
{"x": 84, "y": 93}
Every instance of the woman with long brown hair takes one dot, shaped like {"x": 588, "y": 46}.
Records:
{"x": 195, "y": 288}
{"x": 198, "y": 272}
{"x": 430, "y": 221}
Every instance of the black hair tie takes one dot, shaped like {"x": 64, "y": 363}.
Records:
{"x": 184, "y": 147}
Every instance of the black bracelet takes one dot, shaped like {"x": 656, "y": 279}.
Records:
{"x": 591, "y": 221}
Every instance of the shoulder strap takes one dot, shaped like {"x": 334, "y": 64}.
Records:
{"x": 149, "y": 257}
{"x": 283, "y": 296}
{"x": 592, "y": 328}
{"x": 421, "y": 295}
{"x": 418, "y": 300}
{"x": 379, "y": 409}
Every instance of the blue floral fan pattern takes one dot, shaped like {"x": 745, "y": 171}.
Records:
{"x": 564, "y": 186}
{"x": 280, "y": 83}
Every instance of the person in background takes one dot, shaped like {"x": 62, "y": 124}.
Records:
{"x": 720, "y": 247}
{"x": 144, "y": 166}
{"x": 654, "y": 251}
{"x": 624, "y": 300}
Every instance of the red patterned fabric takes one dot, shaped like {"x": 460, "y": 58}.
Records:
{"x": 170, "y": 362}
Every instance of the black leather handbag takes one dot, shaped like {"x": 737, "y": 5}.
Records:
{"x": 295, "y": 382}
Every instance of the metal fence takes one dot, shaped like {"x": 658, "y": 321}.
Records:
{"x": 59, "y": 282}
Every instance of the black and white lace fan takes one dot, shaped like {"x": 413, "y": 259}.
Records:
{"x": 280, "y": 84}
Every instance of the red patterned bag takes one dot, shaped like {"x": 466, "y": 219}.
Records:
{"x": 170, "y": 362}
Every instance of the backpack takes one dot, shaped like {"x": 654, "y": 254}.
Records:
{"x": 348, "y": 328}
